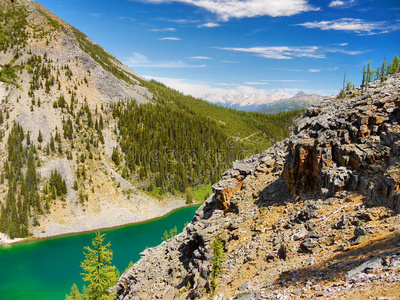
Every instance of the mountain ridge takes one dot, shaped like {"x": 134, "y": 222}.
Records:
{"x": 265, "y": 103}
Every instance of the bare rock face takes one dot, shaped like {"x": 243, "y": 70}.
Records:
{"x": 224, "y": 190}
{"x": 348, "y": 145}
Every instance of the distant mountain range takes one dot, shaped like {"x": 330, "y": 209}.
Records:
{"x": 266, "y": 103}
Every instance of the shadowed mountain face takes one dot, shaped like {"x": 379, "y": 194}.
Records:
{"x": 87, "y": 143}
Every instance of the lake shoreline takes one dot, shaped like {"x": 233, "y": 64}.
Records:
{"x": 6, "y": 241}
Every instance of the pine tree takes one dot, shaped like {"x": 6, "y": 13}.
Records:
{"x": 395, "y": 65}
{"x": 98, "y": 271}
{"x": 75, "y": 294}
{"x": 166, "y": 236}
{"x": 40, "y": 138}
{"x": 115, "y": 156}
{"x": 217, "y": 259}
{"x": 52, "y": 144}
{"x": 173, "y": 232}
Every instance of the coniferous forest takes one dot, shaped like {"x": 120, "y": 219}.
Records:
{"x": 177, "y": 142}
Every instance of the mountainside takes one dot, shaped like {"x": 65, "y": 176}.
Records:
{"x": 316, "y": 215}
{"x": 300, "y": 100}
{"x": 251, "y": 102}
{"x": 265, "y": 103}
{"x": 86, "y": 143}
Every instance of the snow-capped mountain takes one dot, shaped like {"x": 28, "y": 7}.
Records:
{"x": 264, "y": 102}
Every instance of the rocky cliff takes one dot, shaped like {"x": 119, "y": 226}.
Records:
{"x": 314, "y": 216}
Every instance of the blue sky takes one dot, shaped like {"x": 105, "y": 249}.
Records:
{"x": 260, "y": 46}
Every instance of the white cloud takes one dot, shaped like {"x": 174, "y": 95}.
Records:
{"x": 126, "y": 18}
{"x": 95, "y": 15}
{"x": 140, "y": 60}
{"x": 336, "y": 3}
{"x": 256, "y": 83}
{"x": 201, "y": 57}
{"x": 163, "y": 29}
{"x": 341, "y": 4}
{"x": 227, "y": 9}
{"x": 169, "y": 39}
{"x": 284, "y": 52}
{"x": 354, "y": 25}
{"x": 179, "y": 21}
{"x": 265, "y": 82}
{"x": 299, "y": 70}
{"x": 194, "y": 88}
{"x": 209, "y": 25}
{"x": 345, "y": 51}
{"x": 201, "y": 88}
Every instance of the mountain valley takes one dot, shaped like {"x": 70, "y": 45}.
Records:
{"x": 298, "y": 196}
{"x": 72, "y": 159}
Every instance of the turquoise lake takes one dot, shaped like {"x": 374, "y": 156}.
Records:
{"x": 46, "y": 269}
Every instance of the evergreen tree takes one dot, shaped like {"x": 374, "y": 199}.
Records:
{"x": 115, "y": 156}
{"x": 52, "y": 144}
{"x": 173, "y": 232}
{"x": 165, "y": 236}
{"x": 98, "y": 271}
{"x": 75, "y": 294}
{"x": 40, "y": 138}
{"x": 395, "y": 65}
{"x": 217, "y": 259}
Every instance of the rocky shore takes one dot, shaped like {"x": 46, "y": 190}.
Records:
{"x": 314, "y": 216}
{"x": 108, "y": 218}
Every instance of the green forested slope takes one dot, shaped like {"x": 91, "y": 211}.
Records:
{"x": 180, "y": 142}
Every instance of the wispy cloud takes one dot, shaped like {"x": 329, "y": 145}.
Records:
{"x": 227, "y": 9}
{"x": 284, "y": 52}
{"x": 140, "y": 60}
{"x": 300, "y": 70}
{"x": 209, "y": 25}
{"x": 348, "y": 52}
{"x": 341, "y": 4}
{"x": 95, "y": 15}
{"x": 266, "y": 82}
{"x": 179, "y": 21}
{"x": 126, "y": 18}
{"x": 201, "y": 57}
{"x": 353, "y": 25}
{"x": 169, "y": 38}
{"x": 163, "y": 29}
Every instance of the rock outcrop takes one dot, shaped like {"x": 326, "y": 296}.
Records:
{"x": 342, "y": 145}
{"x": 314, "y": 216}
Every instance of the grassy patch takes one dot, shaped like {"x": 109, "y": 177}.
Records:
{"x": 202, "y": 193}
